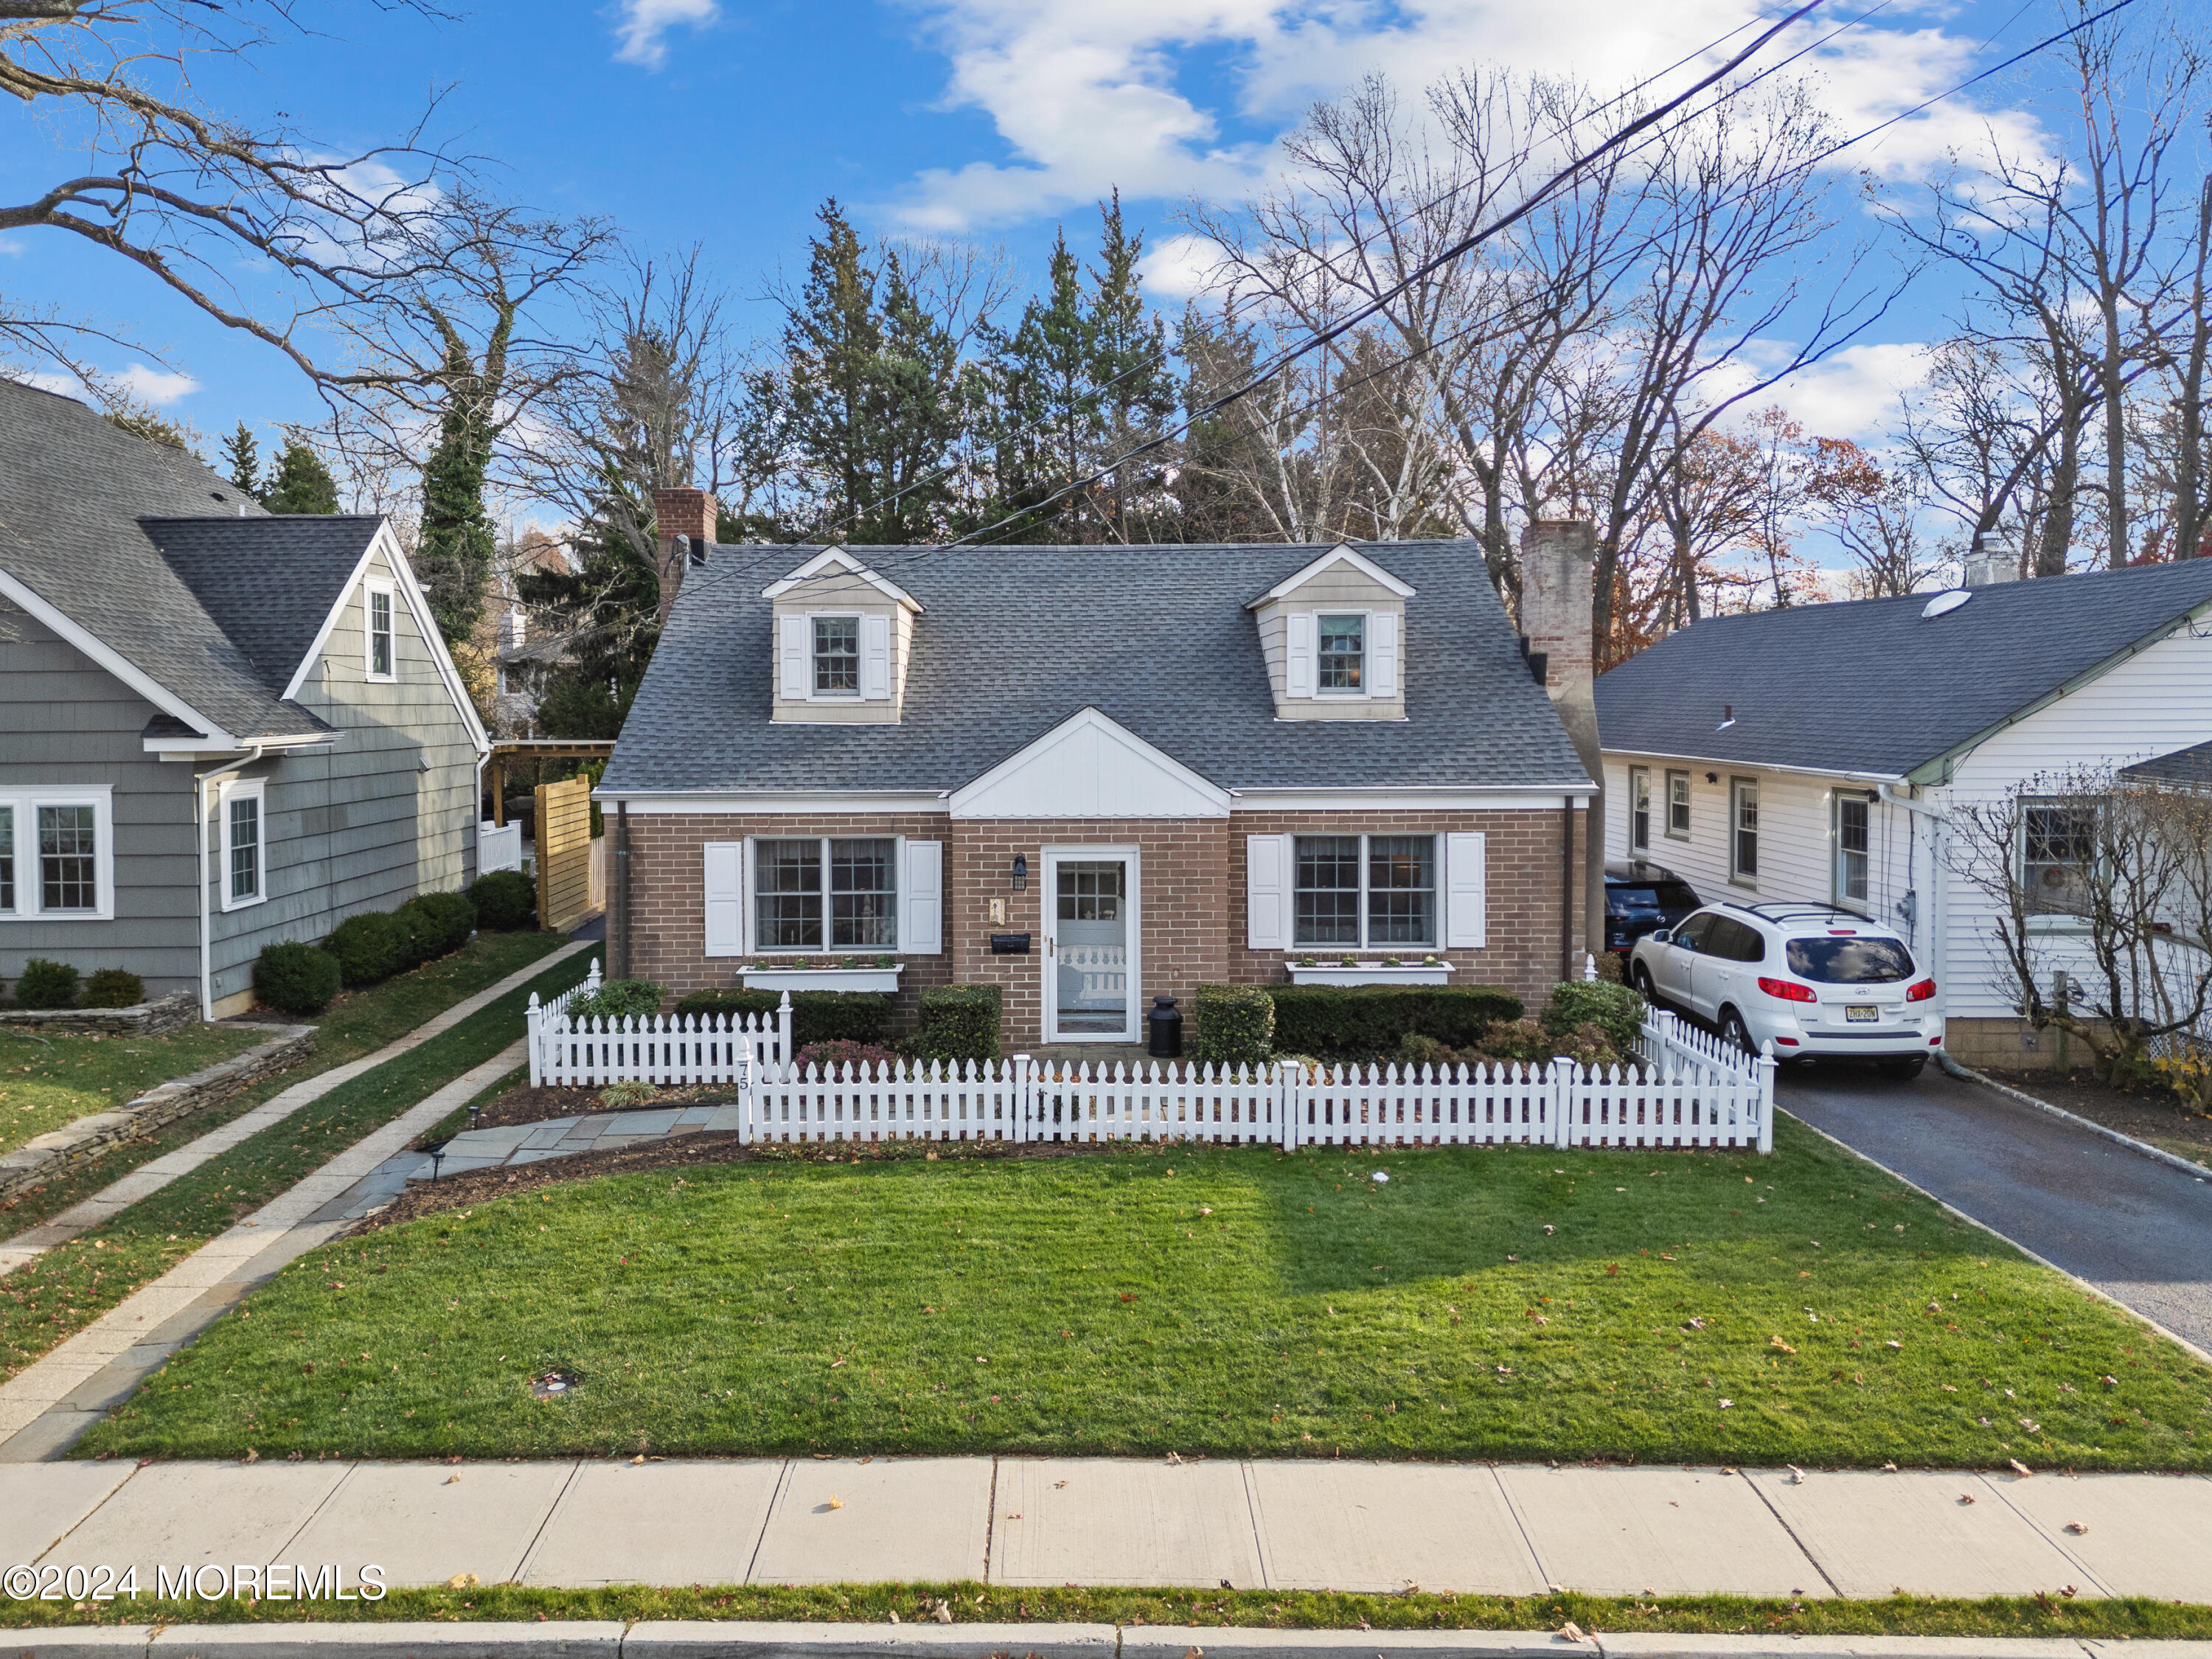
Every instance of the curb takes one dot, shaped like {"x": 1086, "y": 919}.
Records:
{"x": 685, "y": 1640}
{"x": 2142, "y": 1148}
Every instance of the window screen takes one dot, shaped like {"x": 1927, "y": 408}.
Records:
{"x": 1402, "y": 890}
{"x": 1329, "y": 890}
{"x": 863, "y": 894}
{"x": 69, "y": 864}
{"x": 788, "y": 894}
{"x": 837, "y": 656}
{"x": 380, "y": 633}
{"x": 1342, "y": 652}
{"x": 245, "y": 847}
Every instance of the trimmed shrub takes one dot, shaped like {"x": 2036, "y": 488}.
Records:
{"x": 1364, "y": 1020}
{"x": 506, "y": 902}
{"x": 369, "y": 947}
{"x": 452, "y": 920}
{"x": 417, "y": 936}
{"x": 1235, "y": 1025}
{"x": 826, "y": 1056}
{"x": 1525, "y": 1040}
{"x": 959, "y": 1023}
{"x": 1618, "y": 1010}
{"x": 114, "y": 987}
{"x": 815, "y": 1016}
{"x": 734, "y": 1000}
{"x": 619, "y": 998}
{"x": 46, "y": 985}
{"x": 296, "y": 978}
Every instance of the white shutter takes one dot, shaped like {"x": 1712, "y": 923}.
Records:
{"x": 795, "y": 659}
{"x": 1298, "y": 664}
{"x": 1464, "y": 906}
{"x": 1383, "y": 653}
{"x": 1269, "y": 875}
{"x": 725, "y": 895}
{"x": 875, "y": 659}
{"x": 922, "y": 897}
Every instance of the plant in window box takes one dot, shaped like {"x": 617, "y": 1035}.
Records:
{"x": 1347, "y": 962}
{"x": 1432, "y": 962}
{"x": 850, "y": 962}
{"x": 1393, "y": 961}
{"x": 1308, "y": 962}
{"x": 886, "y": 962}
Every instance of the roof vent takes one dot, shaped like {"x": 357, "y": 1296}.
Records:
{"x": 1728, "y": 717}
{"x": 1944, "y": 603}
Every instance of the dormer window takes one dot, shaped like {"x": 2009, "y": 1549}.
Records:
{"x": 836, "y": 656}
{"x": 1341, "y": 656}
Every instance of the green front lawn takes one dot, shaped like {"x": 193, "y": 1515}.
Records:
{"x": 46, "y": 1082}
{"x": 1689, "y": 1308}
{"x": 50, "y": 1299}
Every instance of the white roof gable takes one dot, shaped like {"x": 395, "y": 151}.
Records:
{"x": 837, "y": 561}
{"x": 1338, "y": 554}
{"x": 1088, "y": 767}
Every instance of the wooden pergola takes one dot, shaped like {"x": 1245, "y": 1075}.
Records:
{"x": 536, "y": 749}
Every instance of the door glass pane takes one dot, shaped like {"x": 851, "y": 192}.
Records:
{"x": 1090, "y": 953}
{"x": 863, "y": 894}
{"x": 788, "y": 895}
{"x": 1329, "y": 890}
{"x": 1402, "y": 890}
{"x": 69, "y": 874}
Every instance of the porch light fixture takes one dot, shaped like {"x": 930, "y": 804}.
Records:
{"x": 1021, "y": 882}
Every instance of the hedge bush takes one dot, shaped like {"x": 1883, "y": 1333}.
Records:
{"x": 815, "y": 1016}
{"x": 114, "y": 987}
{"x": 452, "y": 919}
{"x": 619, "y": 998}
{"x": 296, "y": 978}
{"x": 1364, "y": 1020}
{"x": 369, "y": 947}
{"x": 506, "y": 902}
{"x": 1235, "y": 1025}
{"x": 959, "y": 1023}
{"x": 416, "y": 935}
{"x": 46, "y": 985}
{"x": 1618, "y": 1010}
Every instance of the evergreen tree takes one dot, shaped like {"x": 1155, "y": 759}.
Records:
{"x": 1051, "y": 406}
{"x": 606, "y": 615}
{"x": 244, "y": 456}
{"x": 454, "y": 556}
{"x": 1135, "y": 386}
{"x": 301, "y": 484}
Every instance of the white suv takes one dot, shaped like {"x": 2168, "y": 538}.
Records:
{"x": 1818, "y": 981}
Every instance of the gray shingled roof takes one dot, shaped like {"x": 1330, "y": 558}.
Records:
{"x": 77, "y": 497}
{"x": 2191, "y": 767}
{"x": 1016, "y": 640}
{"x": 1873, "y": 686}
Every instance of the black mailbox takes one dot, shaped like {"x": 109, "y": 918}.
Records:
{"x": 1010, "y": 945}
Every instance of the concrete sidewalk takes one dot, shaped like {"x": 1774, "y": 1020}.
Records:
{"x": 1470, "y": 1528}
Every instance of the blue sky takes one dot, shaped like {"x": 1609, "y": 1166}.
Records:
{"x": 727, "y": 122}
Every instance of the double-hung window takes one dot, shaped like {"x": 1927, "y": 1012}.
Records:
{"x": 1341, "y": 654}
{"x": 1678, "y": 806}
{"x": 1743, "y": 831}
{"x": 1366, "y": 891}
{"x": 1639, "y": 810}
{"x": 836, "y": 656}
{"x": 377, "y": 622}
{"x": 2058, "y": 855}
{"x": 1854, "y": 817}
{"x": 56, "y": 859}
{"x": 826, "y": 893}
{"x": 245, "y": 858}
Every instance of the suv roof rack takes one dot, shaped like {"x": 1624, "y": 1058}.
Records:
{"x": 1782, "y": 912}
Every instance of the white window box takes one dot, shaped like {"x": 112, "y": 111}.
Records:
{"x": 1370, "y": 973}
{"x": 824, "y": 978}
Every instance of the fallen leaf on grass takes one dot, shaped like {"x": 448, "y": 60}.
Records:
{"x": 2019, "y": 1467}
{"x": 462, "y": 1581}
{"x": 1777, "y": 1342}
{"x": 1572, "y": 1631}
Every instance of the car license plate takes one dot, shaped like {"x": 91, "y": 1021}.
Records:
{"x": 1859, "y": 1012}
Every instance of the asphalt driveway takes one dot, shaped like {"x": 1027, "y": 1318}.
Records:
{"x": 2139, "y": 1230}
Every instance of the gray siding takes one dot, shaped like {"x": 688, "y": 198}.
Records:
{"x": 63, "y": 719}
{"x": 360, "y": 825}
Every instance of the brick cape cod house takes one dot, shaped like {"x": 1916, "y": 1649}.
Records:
{"x": 1093, "y": 776}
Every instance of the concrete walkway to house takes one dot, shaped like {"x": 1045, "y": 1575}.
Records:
{"x": 1310, "y": 1524}
{"x": 150, "y": 1178}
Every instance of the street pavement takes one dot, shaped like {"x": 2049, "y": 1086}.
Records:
{"x": 2139, "y": 1230}
{"x": 1470, "y": 1528}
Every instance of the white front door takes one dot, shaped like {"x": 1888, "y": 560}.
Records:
{"x": 1090, "y": 967}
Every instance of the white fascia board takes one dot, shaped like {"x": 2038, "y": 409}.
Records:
{"x": 418, "y": 606}
{"x": 1342, "y": 553}
{"x": 113, "y": 662}
{"x": 1740, "y": 764}
{"x": 1521, "y": 798}
{"x": 838, "y": 560}
{"x": 1216, "y": 798}
{"x": 767, "y": 803}
{"x": 189, "y": 749}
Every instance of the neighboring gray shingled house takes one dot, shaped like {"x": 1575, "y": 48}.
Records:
{"x": 1091, "y": 776}
{"x": 189, "y": 682}
{"x": 1814, "y": 753}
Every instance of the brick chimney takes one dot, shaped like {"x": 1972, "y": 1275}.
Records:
{"x": 1556, "y": 557}
{"x": 685, "y": 521}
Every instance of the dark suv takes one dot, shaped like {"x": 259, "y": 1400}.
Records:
{"x": 1641, "y": 898}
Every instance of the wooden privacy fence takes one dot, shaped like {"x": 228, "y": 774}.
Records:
{"x": 564, "y": 854}
{"x": 1683, "y": 1089}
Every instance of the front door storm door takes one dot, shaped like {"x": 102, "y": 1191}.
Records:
{"x": 1091, "y": 945}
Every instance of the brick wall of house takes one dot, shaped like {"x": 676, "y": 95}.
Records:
{"x": 1522, "y": 882}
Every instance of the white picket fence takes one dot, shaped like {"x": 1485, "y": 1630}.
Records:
{"x": 498, "y": 848}
{"x": 1685, "y": 1089}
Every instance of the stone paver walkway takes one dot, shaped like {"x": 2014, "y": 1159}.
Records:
{"x": 1468, "y": 1528}
{"x": 149, "y": 1178}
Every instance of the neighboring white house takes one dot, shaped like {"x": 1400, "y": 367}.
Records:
{"x": 1815, "y": 753}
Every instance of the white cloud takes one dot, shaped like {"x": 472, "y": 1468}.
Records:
{"x": 11, "y": 246}
{"x": 1177, "y": 267}
{"x": 645, "y": 25}
{"x": 1087, "y": 94}
{"x": 154, "y": 385}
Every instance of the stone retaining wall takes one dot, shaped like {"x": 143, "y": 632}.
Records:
{"x": 77, "y": 1144}
{"x": 155, "y": 1018}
